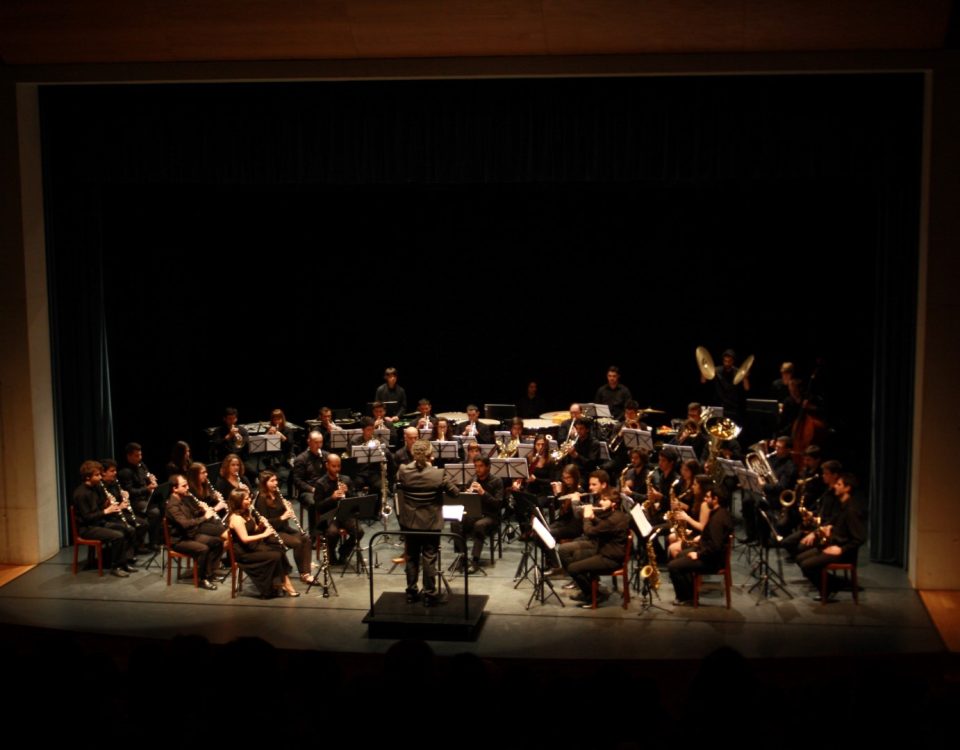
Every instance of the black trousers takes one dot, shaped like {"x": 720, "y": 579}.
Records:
{"x": 112, "y": 536}
{"x": 425, "y": 546}
{"x": 580, "y": 559}
{"x": 681, "y": 571}
{"x": 478, "y": 528}
{"x": 206, "y": 551}
{"x": 813, "y": 561}
{"x": 302, "y": 549}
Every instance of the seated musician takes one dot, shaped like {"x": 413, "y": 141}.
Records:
{"x": 474, "y": 428}
{"x": 840, "y": 541}
{"x": 423, "y": 513}
{"x": 692, "y": 516}
{"x": 257, "y": 550}
{"x": 619, "y": 453}
{"x": 567, "y": 525}
{"x": 279, "y": 513}
{"x": 97, "y": 518}
{"x": 809, "y": 488}
{"x": 331, "y": 489}
{"x": 633, "y": 479}
{"x": 471, "y": 452}
{"x": 443, "y": 432}
{"x": 585, "y": 451}
{"x": 231, "y": 475}
{"x": 691, "y": 432}
{"x": 490, "y": 489}
{"x": 568, "y": 427}
{"x": 658, "y": 491}
{"x": 707, "y": 554}
{"x": 308, "y": 468}
{"x": 426, "y": 420}
{"x": 136, "y": 479}
{"x": 603, "y": 545}
{"x": 784, "y": 478}
{"x": 821, "y": 512}
{"x": 180, "y": 460}
{"x": 541, "y": 467}
{"x": 279, "y": 426}
{"x": 113, "y": 493}
{"x": 369, "y": 475}
{"x": 379, "y": 415}
{"x": 200, "y": 488}
{"x": 232, "y": 437}
{"x": 405, "y": 455}
{"x": 196, "y": 532}
{"x": 327, "y": 425}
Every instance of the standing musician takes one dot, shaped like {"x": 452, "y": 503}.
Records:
{"x": 839, "y": 541}
{"x": 280, "y": 515}
{"x": 113, "y": 492}
{"x": 426, "y": 421}
{"x": 97, "y": 519}
{"x": 532, "y": 405}
{"x": 308, "y": 468}
{"x": 474, "y": 428}
{"x": 421, "y": 511}
{"x": 732, "y": 396}
{"x": 137, "y": 480}
{"x": 391, "y": 392}
{"x": 331, "y": 489}
{"x": 197, "y": 532}
{"x": 490, "y": 489}
{"x": 257, "y": 550}
{"x": 201, "y": 489}
{"x": 614, "y": 394}
{"x": 232, "y": 437}
{"x": 369, "y": 475}
{"x": 603, "y": 545}
{"x": 707, "y": 555}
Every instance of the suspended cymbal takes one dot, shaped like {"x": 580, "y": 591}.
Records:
{"x": 556, "y": 416}
{"x": 651, "y": 410}
{"x": 743, "y": 370}
{"x": 705, "y": 363}
{"x": 453, "y": 416}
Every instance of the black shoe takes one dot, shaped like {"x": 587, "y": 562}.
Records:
{"x": 682, "y": 603}
{"x": 474, "y": 567}
{"x": 413, "y": 597}
{"x": 570, "y": 585}
{"x": 432, "y": 600}
{"x": 580, "y": 597}
{"x": 587, "y": 605}
{"x": 129, "y": 568}
{"x": 207, "y": 584}
{"x": 119, "y": 573}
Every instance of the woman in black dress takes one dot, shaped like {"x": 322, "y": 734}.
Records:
{"x": 231, "y": 475}
{"x": 256, "y": 548}
{"x": 279, "y": 513}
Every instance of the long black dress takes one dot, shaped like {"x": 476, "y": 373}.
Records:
{"x": 264, "y": 561}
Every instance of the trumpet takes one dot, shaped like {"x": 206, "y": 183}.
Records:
{"x": 237, "y": 437}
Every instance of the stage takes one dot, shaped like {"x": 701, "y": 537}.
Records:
{"x": 890, "y": 619}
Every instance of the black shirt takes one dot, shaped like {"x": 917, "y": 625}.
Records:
{"x": 385, "y": 394}
{"x": 308, "y": 467}
{"x": 615, "y": 398}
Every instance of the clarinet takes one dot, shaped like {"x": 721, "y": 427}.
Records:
{"x": 262, "y": 522}
{"x": 293, "y": 518}
{"x": 113, "y": 501}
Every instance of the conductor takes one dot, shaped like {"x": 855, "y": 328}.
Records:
{"x": 419, "y": 508}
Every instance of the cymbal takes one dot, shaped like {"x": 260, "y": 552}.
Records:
{"x": 453, "y": 416}
{"x": 537, "y": 424}
{"x": 488, "y": 422}
{"x": 556, "y": 416}
{"x": 743, "y": 370}
{"x": 705, "y": 363}
{"x": 651, "y": 410}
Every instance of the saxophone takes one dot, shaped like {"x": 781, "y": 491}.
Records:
{"x": 650, "y": 572}
{"x": 678, "y": 525}
{"x": 510, "y": 449}
{"x": 648, "y": 503}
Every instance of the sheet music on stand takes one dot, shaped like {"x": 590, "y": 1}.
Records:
{"x": 446, "y": 449}
{"x": 709, "y": 412}
{"x": 383, "y": 435}
{"x": 595, "y": 411}
{"x": 641, "y": 520}
{"x": 541, "y": 530}
{"x": 425, "y": 434}
{"x": 453, "y": 512}
{"x": 340, "y": 439}
{"x": 509, "y": 468}
{"x": 389, "y": 406}
{"x": 460, "y": 474}
{"x": 264, "y": 443}
{"x": 642, "y": 439}
{"x": 685, "y": 452}
{"x": 749, "y": 480}
{"x": 504, "y": 436}
{"x": 604, "y": 450}
{"x": 729, "y": 466}
{"x": 367, "y": 455}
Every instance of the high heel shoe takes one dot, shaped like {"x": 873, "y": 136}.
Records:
{"x": 291, "y": 593}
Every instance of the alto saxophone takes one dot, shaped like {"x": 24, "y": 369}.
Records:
{"x": 650, "y": 572}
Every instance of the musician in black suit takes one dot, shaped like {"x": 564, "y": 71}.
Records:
{"x": 99, "y": 520}
{"x": 490, "y": 489}
{"x": 136, "y": 479}
{"x": 197, "y": 532}
{"x": 308, "y": 468}
{"x": 708, "y": 552}
{"x": 232, "y": 437}
{"x": 419, "y": 508}
{"x": 473, "y": 427}
{"x": 568, "y": 428}
{"x": 585, "y": 452}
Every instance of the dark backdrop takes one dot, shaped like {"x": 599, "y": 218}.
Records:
{"x": 279, "y": 245}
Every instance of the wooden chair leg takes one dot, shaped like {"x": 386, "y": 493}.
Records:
{"x": 696, "y": 590}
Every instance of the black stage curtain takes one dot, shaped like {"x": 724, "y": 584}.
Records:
{"x": 734, "y": 207}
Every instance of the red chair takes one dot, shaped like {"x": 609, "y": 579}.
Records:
{"x": 236, "y": 572}
{"x": 621, "y": 572}
{"x": 172, "y": 554}
{"x": 724, "y": 571}
{"x": 79, "y": 541}
{"x": 849, "y": 573}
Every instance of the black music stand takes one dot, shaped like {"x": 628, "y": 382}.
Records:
{"x": 358, "y": 508}
{"x": 462, "y": 475}
{"x": 447, "y": 450}
{"x": 642, "y": 439}
{"x": 340, "y": 439}
{"x": 509, "y": 469}
{"x": 324, "y": 570}
{"x": 547, "y": 546}
{"x": 768, "y": 579}
{"x": 525, "y": 506}
{"x": 500, "y": 412}
{"x": 472, "y": 508}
